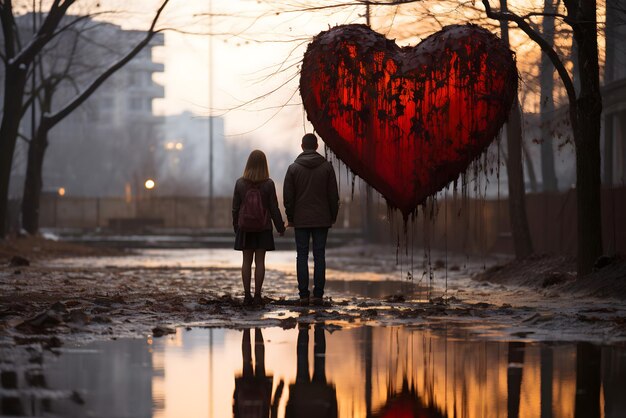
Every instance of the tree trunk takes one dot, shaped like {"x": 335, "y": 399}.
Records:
{"x": 530, "y": 168}
{"x": 14, "y": 83}
{"x": 608, "y": 150}
{"x": 575, "y": 66}
{"x": 610, "y": 34}
{"x": 34, "y": 168}
{"x": 522, "y": 241}
{"x": 587, "y": 138}
{"x": 546, "y": 80}
{"x": 588, "y": 114}
{"x": 16, "y": 68}
{"x": 33, "y": 183}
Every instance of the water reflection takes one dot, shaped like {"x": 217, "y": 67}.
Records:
{"x": 311, "y": 397}
{"x": 310, "y": 371}
{"x": 105, "y": 379}
{"x": 253, "y": 387}
{"x": 514, "y": 376}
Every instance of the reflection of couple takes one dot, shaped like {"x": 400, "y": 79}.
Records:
{"x": 308, "y": 397}
{"x": 311, "y": 201}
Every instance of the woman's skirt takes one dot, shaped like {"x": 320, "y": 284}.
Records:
{"x": 263, "y": 240}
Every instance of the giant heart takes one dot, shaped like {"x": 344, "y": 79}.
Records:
{"x": 407, "y": 120}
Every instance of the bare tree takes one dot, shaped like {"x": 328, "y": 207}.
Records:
{"x": 522, "y": 242}
{"x": 585, "y": 110}
{"x": 17, "y": 62}
{"x": 615, "y": 18}
{"x": 546, "y": 79}
{"x": 38, "y": 144}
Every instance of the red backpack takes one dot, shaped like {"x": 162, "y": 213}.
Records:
{"x": 253, "y": 215}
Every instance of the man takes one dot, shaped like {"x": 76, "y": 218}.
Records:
{"x": 311, "y": 203}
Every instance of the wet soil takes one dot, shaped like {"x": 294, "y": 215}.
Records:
{"x": 50, "y": 301}
{"x": 41, "y": 248}
{"x": 558, "y": 274}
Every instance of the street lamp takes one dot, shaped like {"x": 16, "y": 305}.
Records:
{"x": 149, "y": 184}
{"x": 61, "y": 191}
{"x": 210, "y": 73}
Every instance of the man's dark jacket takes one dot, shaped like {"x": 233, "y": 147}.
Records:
{"x": 310, "y": 192}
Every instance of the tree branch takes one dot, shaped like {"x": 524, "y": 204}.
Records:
{"x": 543, "y": 44}
{"x": 8, "y": 25}
{"x": 70, "y": 107}
{"x": 555, "y": 15}
{"x": 23, "y": 137}
{"x": 77, "y": 20}
{"x": 45, "y": 32}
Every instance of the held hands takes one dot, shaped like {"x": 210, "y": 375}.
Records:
{"x": 287, "y": 225}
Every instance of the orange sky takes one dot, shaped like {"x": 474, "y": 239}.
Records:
{"x": 256, "y": 55}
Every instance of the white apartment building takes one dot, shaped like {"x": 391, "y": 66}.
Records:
{"x": 107, "y": 146}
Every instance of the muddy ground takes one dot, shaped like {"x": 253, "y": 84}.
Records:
{"x": 55, "y": 293}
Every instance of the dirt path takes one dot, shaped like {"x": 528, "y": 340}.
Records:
{"x": 55, "y": 301}
{"x": 51, "y": 308}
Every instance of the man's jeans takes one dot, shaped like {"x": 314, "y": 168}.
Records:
{"x": 303, "y": 236}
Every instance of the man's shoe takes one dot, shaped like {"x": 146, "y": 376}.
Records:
{"x": 304, "y": 301}
{"x": 317, "y": 301}
{"x": 247, "y": 299}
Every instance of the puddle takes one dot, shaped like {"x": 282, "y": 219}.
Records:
{"x": 377, "y": 264}
{"x": 372, "y": 275}
{"x": 358, "y": 372}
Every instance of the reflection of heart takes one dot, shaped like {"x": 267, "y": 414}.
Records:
{"x": 407, "y": 120}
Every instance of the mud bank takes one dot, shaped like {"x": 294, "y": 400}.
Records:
{"x": 33, "y": 248}
{"x": 557, "y": 275}
{"x": 55, "y": 300}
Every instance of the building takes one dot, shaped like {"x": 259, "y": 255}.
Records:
{"x": 107, "y": 146}
{"x": 185, "y": 157}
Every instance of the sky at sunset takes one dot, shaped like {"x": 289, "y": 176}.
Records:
{"x": 256, "y": 51}
{"x": 255, "y": 62}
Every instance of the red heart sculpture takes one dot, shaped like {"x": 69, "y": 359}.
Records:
{"x": 408, "y": 120}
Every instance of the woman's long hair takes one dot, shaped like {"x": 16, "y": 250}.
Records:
{"x": 256, "y": 168}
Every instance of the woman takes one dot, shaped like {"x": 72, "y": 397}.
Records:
{"x": 255, "y": 196}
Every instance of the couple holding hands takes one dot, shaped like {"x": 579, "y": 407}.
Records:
{"x": 311, "y": 200}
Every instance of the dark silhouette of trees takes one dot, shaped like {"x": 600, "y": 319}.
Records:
{"x": 18, "y": 61}
{"x": 522, "y": 242}
{"x": 38, "y": 145}
{"x": 585, "y": 110}
{"x": 546, "y": 102}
